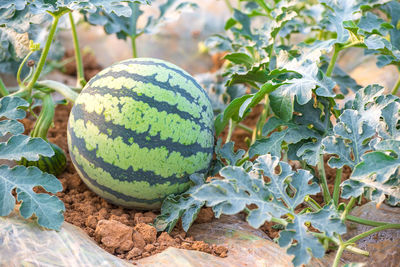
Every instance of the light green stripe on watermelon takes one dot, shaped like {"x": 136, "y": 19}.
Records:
{"x": 140, "y": 117}
{"x": 115, "y": 151}
{"x": 141, "y": 190}
{"x": 157, "y": 93}
{"x": 163, "y": 75}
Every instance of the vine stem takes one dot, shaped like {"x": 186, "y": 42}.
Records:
{"x": 257, "y": 132}
{"x": 396, "y": 86}
{"x": 348, "y": 208}
{"x": 21, "y": 85}
{"x": 364, "y": 221}
{"x": 3, "y": 89}
{"x": 244, "y": 127}
{"x": 80, "y": 74}
{"x": 45, "y": 119}
{"x": 232, "y": 126}
{"x": 332, "y": 63}
{"x": 336, "y": 188}
{"x": 134, "y": 50}
{"x": 322, "y": 177}
{"x": 43, "y": 56}
{"x": 339, "y": 253}
{"x": 372, "y": 231}
{"x": 61, "y": 88}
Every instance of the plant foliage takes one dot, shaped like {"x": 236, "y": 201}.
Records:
{"x": 47, "y": 208}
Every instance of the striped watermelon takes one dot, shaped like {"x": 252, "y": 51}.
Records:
{"x": 137, "y": 131}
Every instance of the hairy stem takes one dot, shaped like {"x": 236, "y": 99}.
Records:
{"x": 244, "y": 127}
{"x": 333, "y": 60}
{"x": 348, "y": 208}
{"x": 364, "y": 221}
{"x": 336, "y": 189}
{"x": 322, "y": 178}
{"x": 232, "y": 126}
{"x": 3, "y": 89}
{"x": 45, "y": 119}
{"x": 396, "y": 86}
{"x": 61, "y": 88}
{"x": 312, "y": 203}
{"x": 45, "y": 51}
{"x": 339, "y": 253}
{"x": 372, "y": 231}
{"x": 80, "y": 74}
{"x": 21, "y": 85}
{"x": 257, "y": 132}
{"x": 133, "y": 43}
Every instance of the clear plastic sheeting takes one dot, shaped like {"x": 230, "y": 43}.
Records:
{"x": 23, "y": 243}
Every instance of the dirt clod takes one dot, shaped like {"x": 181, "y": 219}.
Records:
{"x": 148, "y": 232}
{"x": 114, "y": 235}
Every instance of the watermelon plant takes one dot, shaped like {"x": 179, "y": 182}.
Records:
{"x": 306, "y": 119}
{"x": 280, "y": 54}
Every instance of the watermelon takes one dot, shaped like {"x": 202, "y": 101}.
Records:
{"x": 138, "y": 130}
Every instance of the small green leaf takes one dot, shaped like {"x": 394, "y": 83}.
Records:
{"x": 240, "y": 58}
{"x": 22, "y": 146}
{"x": 48, "y": 209}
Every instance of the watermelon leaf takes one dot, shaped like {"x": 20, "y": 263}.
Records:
{"x": 48, "y": 209}
{"x": 124, "y": 25}
{"x": 280, "y": 196}
{"x": 351, "y": 142}
{"x": 180, "y": 206}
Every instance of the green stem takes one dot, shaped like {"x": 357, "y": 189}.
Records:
{"x": 372, "y": 231}
{"x": 133, "y": 42}
{"x": 364, "y": 221}
{"x": 336, "y": 189}
{"x": 257, "y": 132}
{"x": 80, "y": 74}
{"x": 21, "y": 85}
{"x": 322, "y": 177}
{"x": 312, "y": 203}
{"x": 45, "y": 51}
{"x": 232, "y": 126}
{"x": 61, "y": 88}
{"x": 396, "y": 86}
{"x": 279, "y": 220}
{"x": 244, "y": 127}
{"x": 338, "y": 255}
{"x": 45, "y": 119}
{"x": 229, "y": 5}
{"x": 348, "y": 208}
{"x": 333, "y": 60}
{"x": 3, "y": 89}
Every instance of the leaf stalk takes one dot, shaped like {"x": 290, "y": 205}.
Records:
{"x": 336, "y": 188}
{"x": 80, "y": 74}
{"x": 332, "y": 63}
{"x": 322, "y": 178}
{"x": 43, "y": 56}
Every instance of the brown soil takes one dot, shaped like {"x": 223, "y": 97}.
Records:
{"x": 123, "y": 232}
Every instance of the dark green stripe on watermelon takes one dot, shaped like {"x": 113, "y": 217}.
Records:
{"x": 128, "y": 174}
{"x": 144, "y": 139}
{"x": 54, "y": 165}
{"x": 156, "y": 63}
{"x": 160, "y": 106}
